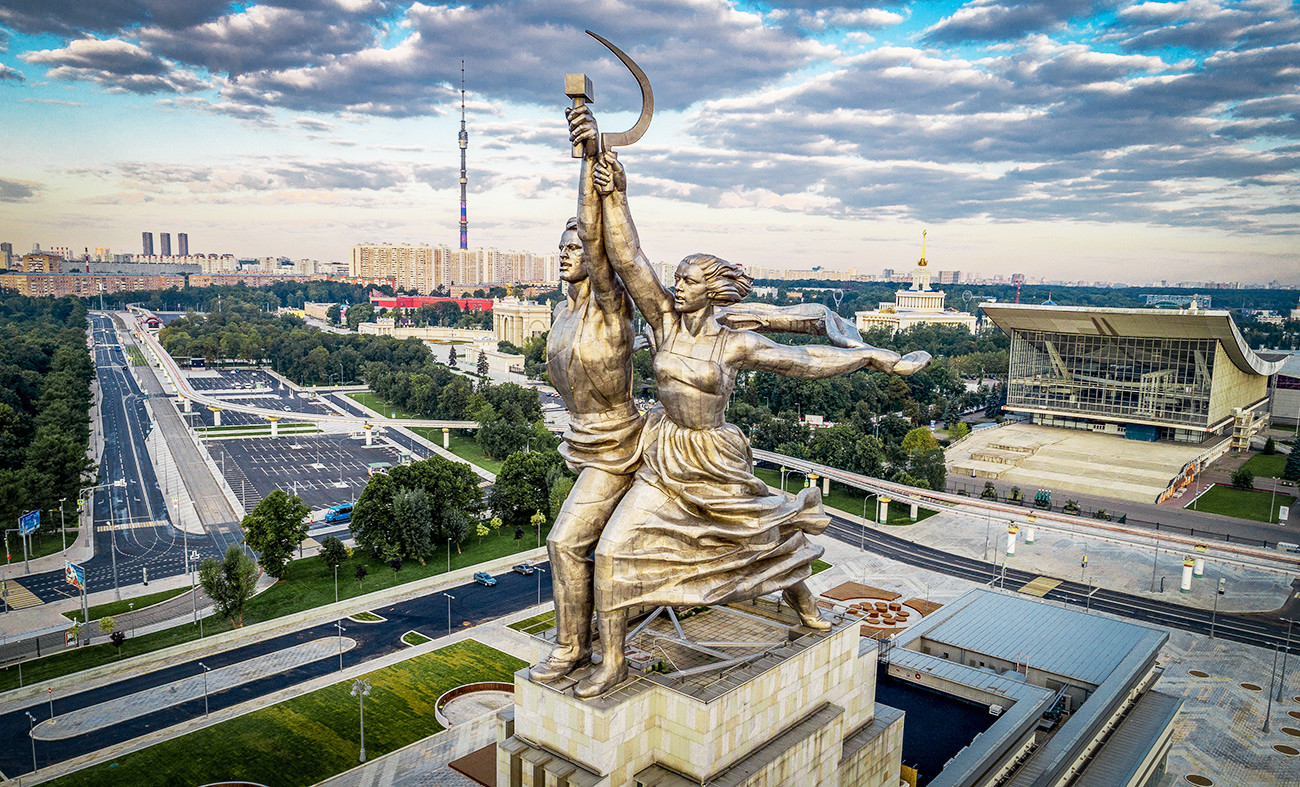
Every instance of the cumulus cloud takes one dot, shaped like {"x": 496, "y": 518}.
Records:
{"x": 116, "y": 65}
{"x": 19, "y": 190}
{"x": 8, "y": 74}
{"x": 69, "y": 17}
{"x": 991, "y": 20}
{"x": 1204, "y": 24}
{"x": 253, "y": 173}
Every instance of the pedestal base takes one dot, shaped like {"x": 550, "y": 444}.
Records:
{"x": 802, "y": 711}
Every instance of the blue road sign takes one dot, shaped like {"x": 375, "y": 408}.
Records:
{"x": 75, "y": 575}
{"x": 29, "y": 522}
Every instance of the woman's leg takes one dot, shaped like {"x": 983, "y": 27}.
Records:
{"x": 800, "y": 598}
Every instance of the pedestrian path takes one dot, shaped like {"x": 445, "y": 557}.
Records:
{"x": 142, "y": 703}
{"x": 19, "y": 597}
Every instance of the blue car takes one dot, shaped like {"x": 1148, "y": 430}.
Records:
{"x": 485, "y": 579}
{"x": 339, "y": 513}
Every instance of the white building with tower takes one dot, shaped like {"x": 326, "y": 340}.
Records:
{"x": 918, "y": 305}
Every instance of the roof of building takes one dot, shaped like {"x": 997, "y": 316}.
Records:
{"x": 1154, "y": 323}
{"x": 1128, "y": 747}
{"x": 1054, "y": 639}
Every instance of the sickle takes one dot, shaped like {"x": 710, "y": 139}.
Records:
{"x": 608, "y": 141}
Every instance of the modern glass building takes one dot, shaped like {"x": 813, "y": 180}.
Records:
{"x": 1146, "y": 374}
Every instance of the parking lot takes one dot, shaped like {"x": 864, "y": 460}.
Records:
{"x": 321, "y": 469}
{"x": 249, "y": 387}
{"x": 230, "y": 379}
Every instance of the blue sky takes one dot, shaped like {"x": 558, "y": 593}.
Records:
{"x": 1107, "y": 140}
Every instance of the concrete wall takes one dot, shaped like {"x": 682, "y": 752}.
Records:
{"x": 1231, "y": 387}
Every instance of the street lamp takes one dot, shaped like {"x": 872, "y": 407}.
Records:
{"x": 31, "y": 734}
{"x": 1281, "y": 677}
{"x": 194, "y": 590}
{"x": 361, "y": 690}
{"x": 82, "y": 495}
{"x": 450, "y": 598}
{"x": 1215, "y": 614}
{"x": 63, "y": 526}
{"x": 784, "y": 470}
{"x": 539, "y": 571}
{"x": 206, "y": 670}
{"x": 339, "y": 625}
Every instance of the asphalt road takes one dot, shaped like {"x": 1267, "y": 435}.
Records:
{"x": 474, "y": 604}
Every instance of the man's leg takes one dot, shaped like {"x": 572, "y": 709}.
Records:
{"x": 577, "y": 528}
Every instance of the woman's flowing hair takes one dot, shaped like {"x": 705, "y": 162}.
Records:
{"x": 726, "y": 281}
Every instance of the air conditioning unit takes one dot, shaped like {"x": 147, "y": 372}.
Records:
{"x": 995, "y": 710}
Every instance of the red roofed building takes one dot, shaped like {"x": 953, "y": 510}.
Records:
{"x": 415, "y": 302}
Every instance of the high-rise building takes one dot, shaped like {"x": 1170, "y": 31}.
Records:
{"x": 183, "y": 244}
{"x": 146, "y": 244}
{"x": 464, "y": 143}
{"x": 425, "y": 268}
{"x": 6, "y": 253}
{"x": 949, "y": 277}
{"x": 165, "y": 242}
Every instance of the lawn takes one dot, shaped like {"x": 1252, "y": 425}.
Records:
{"x": 136, "y": 357}
{"x": 536, "y": 624}
{"x": 844, "y": 498}
{"x": 121, "y": 607}
{"x": 414, "y": 638}
{"x": 307, "y": 584}
{"x": 310, "y": 738}
{"x": 43, "y": 542}
{"x": 379, "y": 405}
{"x": 818, "y": 566}
{"x": 1260, "y": 506}
{"x": 1262, "y": 466}
{"x": 465, "y": 446}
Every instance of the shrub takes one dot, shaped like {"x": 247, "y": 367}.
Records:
{"x": 990, "y": 492}
{"x": 1243, "y": 479}
{"x": 1292, "y": 470}
{"x": 1270, "y": 447}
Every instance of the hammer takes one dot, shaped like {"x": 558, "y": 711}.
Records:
{"x": 578, "y": 88}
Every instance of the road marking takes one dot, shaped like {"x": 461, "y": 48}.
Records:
{"x": 1040, "y": 586}
{"x": 135, "y": 525}
{"x": 20, "y": 597}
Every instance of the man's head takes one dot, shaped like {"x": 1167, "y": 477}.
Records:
{"x": 573, "y": 265}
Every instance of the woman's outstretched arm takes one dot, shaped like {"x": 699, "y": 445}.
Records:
{"x": 623, "y": 247}
{"x": 814, "y": 361}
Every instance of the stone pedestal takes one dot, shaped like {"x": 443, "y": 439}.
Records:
{"x": 802, "y": 713}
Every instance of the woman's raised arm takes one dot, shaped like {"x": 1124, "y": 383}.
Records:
{"x": 623, "y": 247}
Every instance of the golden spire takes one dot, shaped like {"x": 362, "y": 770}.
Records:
{"x": 921, "y": 262}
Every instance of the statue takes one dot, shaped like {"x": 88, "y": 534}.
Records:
{"x": 670, "y": 502}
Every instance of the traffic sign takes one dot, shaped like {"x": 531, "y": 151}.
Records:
{"x": 74, "y": 574}
{"x": 29, "y": 522}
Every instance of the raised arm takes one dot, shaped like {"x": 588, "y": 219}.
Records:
{"x": 624, "y": 247}
{"x": 815, "y": 361}
{"x": 604, "y": 284}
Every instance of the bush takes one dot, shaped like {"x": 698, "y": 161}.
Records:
{"x": 990, "y": 492}
{"x": 1102, "y": 514}
{"x": 1270, "y": 447}
{"x": 1243, "y": 479}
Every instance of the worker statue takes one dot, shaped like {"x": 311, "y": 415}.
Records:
{"x": 668, "y": 500}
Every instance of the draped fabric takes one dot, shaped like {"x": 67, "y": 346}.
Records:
{"x": 607, "y": 441}
{"x": 698, "y": 527}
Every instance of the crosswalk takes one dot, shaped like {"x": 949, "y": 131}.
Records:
{"x": 1040, "y": 586}
{"x": 142, "y": 524}
{"x": 17, "y": 596}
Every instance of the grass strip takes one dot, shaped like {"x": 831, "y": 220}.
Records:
{"x": 372, "y": 400}
{"x": 536, "y": 624}
{"x": 46, "y": 542}
{"x": 1265, "y": 466}
{"x": 122, "y": 607}
{"x": 462, "y": 444}
{"x": 367, "y": 617}
{"x": 136, "y": 357}
{"x": 312, "y": 737}
{"x": 844, "y": 498}
{"x": 818, "y": 566}
{"x": 1241, "y": 503}
{"x": 307, "y": 584}
{"x": 414, "y": 638}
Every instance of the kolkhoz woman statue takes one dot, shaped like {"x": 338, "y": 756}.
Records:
{"x": 697, "y": 527}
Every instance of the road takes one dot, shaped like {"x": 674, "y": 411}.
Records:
{"x": 133, "y": 523}
{"x": 474, "y": 604}
{"x": 1251, "y": 629}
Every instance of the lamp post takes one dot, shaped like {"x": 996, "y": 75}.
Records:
{"x": 539, "y": 570}
{"x": 1215, "y": 613}
{"x": 336, "y": 583}
{"x": 784, "y": 470}
{"x": 31, "y": 734}
{"x": 1281, "y": 676}
{"x": 361, "y": 690}
{"x": 63, "y": 527}
{"x": 206, "y": 670}
{"x": 339, "y": 625}
{"x": 194, "y": 589}
{"x": 450, "y": 598}
{"x": 1268, "y": 711}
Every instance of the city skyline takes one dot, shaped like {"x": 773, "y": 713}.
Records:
{"x": 1100, "y": 141}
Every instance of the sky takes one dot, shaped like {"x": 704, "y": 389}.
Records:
{"x": 1101, "y": 140}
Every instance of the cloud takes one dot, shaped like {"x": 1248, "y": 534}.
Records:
{"x": 54, "y": 101}
{"x": 227, "y": 108}
{"x": 989, "y": 20}
{"x": 8, "y": 74}
{"x": 19, "y": 190}
{"x": 1204, "y": 24}
{"x": 69, "y": 17}
{"x": 119, "y": 66}
{"x": 261, "y": 174}
{"x": 517, "y": 50}
{"x": 820, "y": 19}
{"x": 263, "y": 38}
{"x": 314, "y": 124}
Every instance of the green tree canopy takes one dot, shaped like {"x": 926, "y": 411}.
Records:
{"x": 230, "y": 583}
{"x": 274, "y": 528}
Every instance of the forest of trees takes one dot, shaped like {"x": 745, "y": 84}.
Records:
{"x": 45, "y": 376}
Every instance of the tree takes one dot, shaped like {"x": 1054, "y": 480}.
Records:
{"x": 332, "y": 551}
{"x": 958, "y": 430}
{"x": 360, "y": 573}
{"x": 230, "y": 583}
{"x": 919, "y": 440}
{"x": 334, "y": 314}
{"x": 1291, "y": 471}
{"x": 451, "y": 357}
{"x": 1243, "y": 479}
{"x": 456, "y": 527}
{"x": 395, "y": 564}
{"x": 929, "y": 466}
{"x": 274, "y": 528}
{"x": 522, "y": 488}
{"x": 1270, "y": 447}
{"x": 118, "y": 638}
{"x": 482, "y": 364}
{"x": 410, "y": 534}
{"x": 481, "y": 530}
{"x": 387, "y": 515}
{"x": 107, "y": 624}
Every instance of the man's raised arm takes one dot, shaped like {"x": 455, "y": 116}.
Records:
{"x": 605, "y": 285}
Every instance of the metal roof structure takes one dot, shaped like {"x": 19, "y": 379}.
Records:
{"x": 1062, "y": 641}
{"x": 1146, "y": 323}
{"x": 1137, "y": 734}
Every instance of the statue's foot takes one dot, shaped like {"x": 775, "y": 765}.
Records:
{"x": 561, "y": 662}
{"x": 602, "y": 679}
{"x": 806, "y": 607}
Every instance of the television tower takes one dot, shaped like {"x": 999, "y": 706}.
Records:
{"x": 464, "y": 143}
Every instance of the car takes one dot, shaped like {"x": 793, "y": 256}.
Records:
{"x": 485, "y": 579}
{"x": 524, "y": 568}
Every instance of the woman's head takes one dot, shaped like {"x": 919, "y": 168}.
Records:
{"x": 704, "y": 279}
